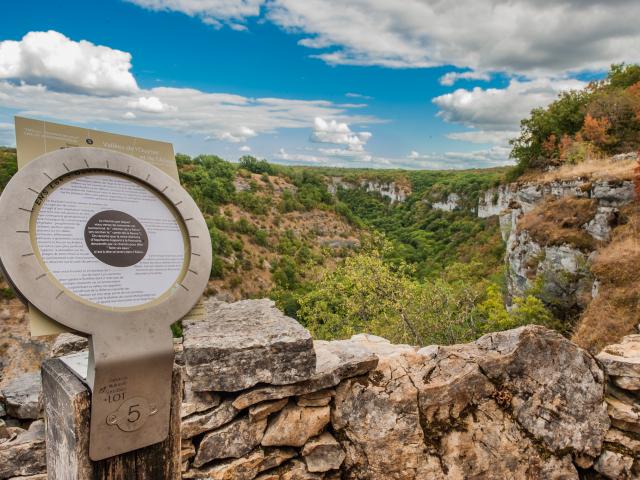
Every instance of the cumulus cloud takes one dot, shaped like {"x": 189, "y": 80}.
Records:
{"x": 525, "y": 37}
{"x": 338, "y": 133}
{"x": 212, "y": 12}
{"x": 495, "y": 113}
{"x": 245, "y": 149}
{"x": 450, "y": 78}
{"x": 149, "y": 104}
{"x": 61, "y": 64}
{"x": 492, "y": 157}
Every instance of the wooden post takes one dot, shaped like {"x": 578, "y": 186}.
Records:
{"x": 67, "y": 406}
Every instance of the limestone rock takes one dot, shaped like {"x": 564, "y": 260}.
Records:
{"x": 231, "y": 441}
{"x": 627, "y": 383}
{"x": 613, "y": 193}
{"x": 514, "y": 404}
{"x": 264, "y": 409}
{"x": 623, "y": 441}
{"x": 245, "y": 343}
{"x": 622, "y": 359}
{"x": 24, "y": 454}
{"x": 196, "y": 402}
{"x": 294, "y": 425}
{"x": 67, "y": 343}
{"x": 244, "y": 468}
{"x": 316, "y": 399}
{"x": 22, "y": 396}
{"x": 323, "y": 453}
{"x": 335, "y": 361}
{"x": 292, "y": 470}
{"x": 615, "y": 466}
{"x": 209, "y": 420}
{"x": 625, "y": 415}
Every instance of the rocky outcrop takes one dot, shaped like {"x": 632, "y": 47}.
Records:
{"x": 449, "y": 204}
{"x": 564, "y": 268}
{"x": 391, "y": 190}
{"x": 21, "y": 397}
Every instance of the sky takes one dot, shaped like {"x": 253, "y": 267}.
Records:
{"x": 417, "y": 84}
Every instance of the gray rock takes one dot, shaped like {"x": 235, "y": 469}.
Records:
{"x": 24, "y": 454}
{"x": 67, "y": 343}
{"x": 201, "y": 422}
{"x": 245, "y": 343}
{"x": 335, "y": 361}
{"x": 614, "y": 465}
{"x": 22, "y": 396}
{"x": 294, "y": 425}
{"x": 246, "y": 467}
{"x": 615, "y": 194}
{"x": 316, "y": 399}
{"x": 294, "y": 470}
{"x": 196, "y": 402}
{"x": 323, "y": 453}
{"x": 264, "y": 409}
{"x": 231, "y": 441}
{"x": 515, "y": 404}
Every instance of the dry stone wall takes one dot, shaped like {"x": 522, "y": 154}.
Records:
{"x": 262, "y": 400}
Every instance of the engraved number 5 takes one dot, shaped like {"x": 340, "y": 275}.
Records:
{"x": 134, "y": 414}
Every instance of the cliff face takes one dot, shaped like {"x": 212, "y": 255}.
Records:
{"x": 273, "y": 404}
{"x": 552, "y": 232}
{"x": 395, "y": 191}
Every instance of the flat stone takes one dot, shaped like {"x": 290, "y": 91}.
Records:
{"x": 67, "y": 343}
{"x": 292, "y": 470}
{"x": 294, "y": 425}
{"x": 196, "y": 402}
{"x": 264, "y": 409}
{"x": 187, "y": 450}
{"x": 622, "y": 359}
{"x": 234, "y": 440}
{"x": 623, "y": 441}
{"x": 24, "y": 454}
{"x": 624, "y": 415}
{"x": 40, "y": 476}
{"x": 22, "y": 396}
{"x": 627, "y": 383}
{"x": 316, "y": 399}
{"x": 246, "y": 467}
{"x": 245, "y": 343}
{"x": 335, "y": 361}
{"x": 323, "y": 453}
{"x": 614, "y": 465}
{"x": 201, "y": 422}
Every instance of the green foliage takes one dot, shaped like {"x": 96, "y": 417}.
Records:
{"x": 8, "y": 166}
{"x": 209, "y": 180}
{"x": 254, "y": 165}
{"x": 547, "y": 135}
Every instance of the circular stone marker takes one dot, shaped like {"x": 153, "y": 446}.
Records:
{"x": 116, "y": 238}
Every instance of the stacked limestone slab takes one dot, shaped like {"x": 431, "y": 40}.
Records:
{"x": 621, "y": 362}
{"x": 257, "y": 395}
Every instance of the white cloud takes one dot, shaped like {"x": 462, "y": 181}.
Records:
{"x": 212, "y": 12}
{"x": 450, "y": 78}
{"x": 526, "y": 37}
{"x": 149, "y": 104}
{"x": 245, "y": 148}
{"x": 496, "y": 156}
{"x": 222, "y": 116}
{"x": 495, "y": 113}
{"x": 358, "y": 95}
{"x": 338, "y": 133}
{"x": 51, "y": 59}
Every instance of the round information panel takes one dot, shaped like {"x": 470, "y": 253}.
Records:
{"x": 109, "y": 239}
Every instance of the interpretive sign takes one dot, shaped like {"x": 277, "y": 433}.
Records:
{"x": 109, "y": 245}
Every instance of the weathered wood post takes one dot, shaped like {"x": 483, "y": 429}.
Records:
{"x": 67, "y": 407}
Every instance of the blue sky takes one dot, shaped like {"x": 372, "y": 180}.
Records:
{"x": 368, "y": 83}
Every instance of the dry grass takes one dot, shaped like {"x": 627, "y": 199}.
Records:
{"x": 615, "y": 312}
{"x": 593, "y": 169}
{"x": 559, "y": 222}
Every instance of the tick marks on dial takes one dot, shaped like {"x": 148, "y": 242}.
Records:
{"x": 47, "y": 175}
{"x": 65, "y": 167}
{"x": 40, "y": 276}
